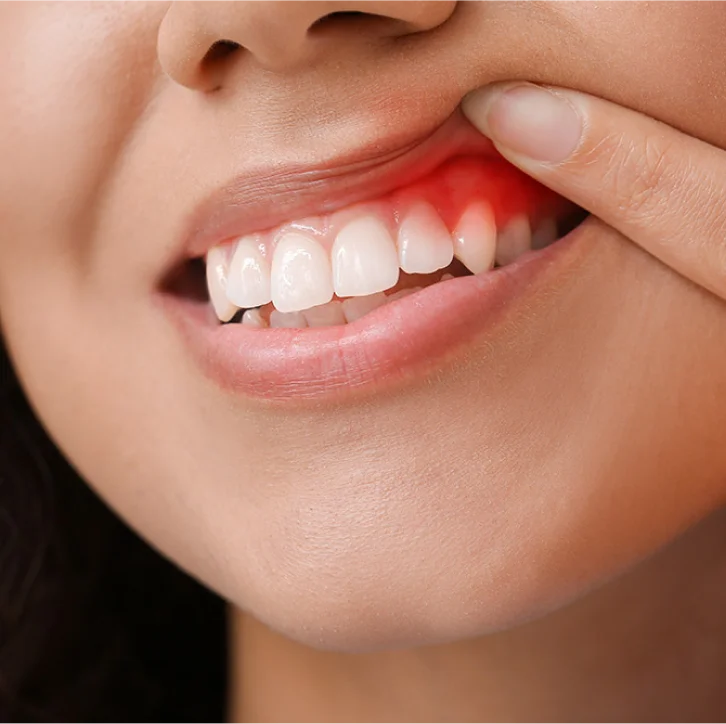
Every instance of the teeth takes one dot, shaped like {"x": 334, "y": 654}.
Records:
{"x": 217, "y": 284}
{"x": 301, "y": 280}
{"x": 364, "y": 259}
{"x": 401, "y": 293}
{"x": 475, "y": 238}
{"x": 248, "y": 284}
{"x": 513, "y": 240}
{"x": 253, "y": 318}
{"x": 357, "y": 307}
{"x": 291, "y": 320}
{"x": 300, "y": 274}
{"x": 424, "y": 242}
{"x": 545, "y": 234}
{"x": 326, "y": 315}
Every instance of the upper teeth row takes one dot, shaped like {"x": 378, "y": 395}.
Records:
{"x": 365, "y": 258}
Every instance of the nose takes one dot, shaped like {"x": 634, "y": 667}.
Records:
{"x": 200, "y": 42}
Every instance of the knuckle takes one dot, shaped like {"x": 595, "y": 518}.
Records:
{"x": 641, "y": 173}
{"x": 638, "y": 173}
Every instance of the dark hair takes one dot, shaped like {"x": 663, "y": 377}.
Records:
{"x": 94, "y": 625}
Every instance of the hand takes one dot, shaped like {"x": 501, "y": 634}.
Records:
{"x": 661, "y": 188}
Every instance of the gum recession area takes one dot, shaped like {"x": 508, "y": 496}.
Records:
{"x": 451, "y": 188}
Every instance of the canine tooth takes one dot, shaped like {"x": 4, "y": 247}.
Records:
{"x": 513, "y": 240}
{"x": 217, "y": 284}
{"x": 357, "y": 307}
{"x": 424, "y": 242}
{"x": 545, "y": 234}
{"x": 326, "y": 315}
{"x": 253, "y": 318}
{"x": 475, "y": 238}
{"x": 290, "y": 320}
{"x": 300, "y": 274}
{"x": 248, "y": 282}
{"x": 364, "y": 258}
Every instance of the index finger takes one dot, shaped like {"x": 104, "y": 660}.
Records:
{"x": 661, "y": 188}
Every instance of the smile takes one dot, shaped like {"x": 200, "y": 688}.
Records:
{"x": 373, "y": 290}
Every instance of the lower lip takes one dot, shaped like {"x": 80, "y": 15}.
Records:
{"x": 403, "y": 340}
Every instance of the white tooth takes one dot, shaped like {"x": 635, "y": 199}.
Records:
{"x": 364, "y": 258}
{"x": 253, "y": 318}
{"x": 248, "y": 283}
{"x": 513, "y": 240}
{"x": 357, "y": 307}
{"x": 475, "y": 238}
{"x": 401, "y": 293}
{"x": 424, "y": 242}
{"x": 545, "y": 234}
{"x": 217, "y": 284}
{"x": 446, "y": 277}
{"x": 326, "y": 315}
{"x": 300, "y": 274}
{"x": 291, "y": 320}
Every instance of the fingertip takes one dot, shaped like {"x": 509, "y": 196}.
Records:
{"x": 526, "y": 120}
{"x": 476, "y": 105}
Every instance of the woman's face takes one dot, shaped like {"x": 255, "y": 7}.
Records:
{"x": 576, "y": 424}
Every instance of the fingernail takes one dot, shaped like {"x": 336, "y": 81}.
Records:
{"x": 529, "y": 120}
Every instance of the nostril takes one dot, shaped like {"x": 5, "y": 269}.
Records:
{"x": 340, "y": 16}
{"x": 219, "y": 51}
{"x": 384, "y": 19}
{"x": 352, "y": 20}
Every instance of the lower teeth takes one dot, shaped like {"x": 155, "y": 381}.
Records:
{"x": 338, "y": 311}
{"x": 332, "y": 314}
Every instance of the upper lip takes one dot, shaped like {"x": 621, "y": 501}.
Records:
{"x": 254, "y": 202}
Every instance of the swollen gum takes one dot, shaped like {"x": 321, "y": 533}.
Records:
{"x": 450, "y": 189}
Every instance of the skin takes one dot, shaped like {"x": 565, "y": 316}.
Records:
{"x": 462, "y": 519}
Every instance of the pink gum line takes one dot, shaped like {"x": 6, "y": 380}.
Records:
{"x": 450, "y": 189}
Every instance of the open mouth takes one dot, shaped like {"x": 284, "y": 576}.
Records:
{"x": 469, "y": 216}
{"x": 347, "y": 297}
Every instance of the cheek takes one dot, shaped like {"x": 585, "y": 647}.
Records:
{"x": 664, "y": 59}
{"x": 75, "y": 78}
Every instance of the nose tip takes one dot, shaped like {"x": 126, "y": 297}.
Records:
{"x": 199, "y": 41}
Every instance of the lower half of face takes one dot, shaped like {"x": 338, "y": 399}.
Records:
{"x": 465, "y": 457}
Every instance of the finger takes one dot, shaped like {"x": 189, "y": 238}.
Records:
{"x": 661, "y": 188}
